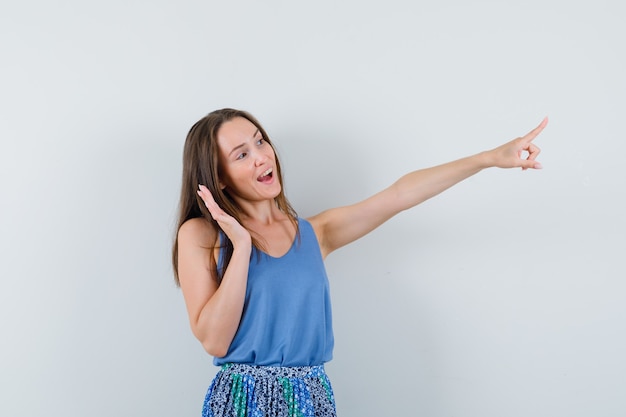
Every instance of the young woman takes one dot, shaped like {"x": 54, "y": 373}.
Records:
{"x": 252, "y": 273}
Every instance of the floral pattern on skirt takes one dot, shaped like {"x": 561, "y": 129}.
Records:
{"x": 240, "y": 390}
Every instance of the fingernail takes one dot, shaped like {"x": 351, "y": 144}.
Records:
{"x": 538, "y": 165}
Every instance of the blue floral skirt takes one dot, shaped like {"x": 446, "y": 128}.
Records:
{"x": 270, "y": 391}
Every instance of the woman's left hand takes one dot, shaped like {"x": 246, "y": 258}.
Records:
{"x": 520, "y": 152}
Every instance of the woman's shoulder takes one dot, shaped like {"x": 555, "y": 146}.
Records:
{"x": 317, "y": 221}
{"x": 198, "y": 230}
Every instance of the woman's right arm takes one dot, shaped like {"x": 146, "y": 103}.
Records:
{"x": 214, "y": 310}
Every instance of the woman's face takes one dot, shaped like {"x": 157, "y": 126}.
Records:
{"x": 248, "y": 162}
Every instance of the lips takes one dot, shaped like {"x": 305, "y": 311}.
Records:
{"x": 266, "y": 176}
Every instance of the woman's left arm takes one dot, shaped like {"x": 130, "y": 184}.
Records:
{"x": 339, "y": 226}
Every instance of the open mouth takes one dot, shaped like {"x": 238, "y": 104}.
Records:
{"x": 266, "y": 176}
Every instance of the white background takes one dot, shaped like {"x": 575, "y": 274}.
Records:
{"x": 504, "y": 296}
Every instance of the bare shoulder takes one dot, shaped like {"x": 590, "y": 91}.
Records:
{"x": 317, "y": 222}
{"x": 339, "y": 226}
{"x": 322, "y": 221}
{"x": 196, "y": 239}
{"x": 198, "y": 232}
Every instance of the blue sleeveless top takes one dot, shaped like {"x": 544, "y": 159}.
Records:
{"x": 286, "y": 318}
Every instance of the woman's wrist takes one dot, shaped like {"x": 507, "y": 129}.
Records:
{"x": 485, "y": 159}
{"x": 243, "y": 248}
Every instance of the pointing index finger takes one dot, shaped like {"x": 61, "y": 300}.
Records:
{"x": 536, "y": 131}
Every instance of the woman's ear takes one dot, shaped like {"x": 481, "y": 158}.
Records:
{"x": 220, "y": 183}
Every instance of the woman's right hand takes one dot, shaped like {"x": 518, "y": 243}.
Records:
{"x": 237, "y": 234}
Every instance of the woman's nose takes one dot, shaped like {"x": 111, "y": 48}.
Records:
{"x": 260, "y": 158}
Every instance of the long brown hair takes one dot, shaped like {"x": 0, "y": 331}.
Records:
{"x": 201, "y": 166}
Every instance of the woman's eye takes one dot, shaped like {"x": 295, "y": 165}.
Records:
{"x": 242, "y": 155}
{"x": 260, "y": 141}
